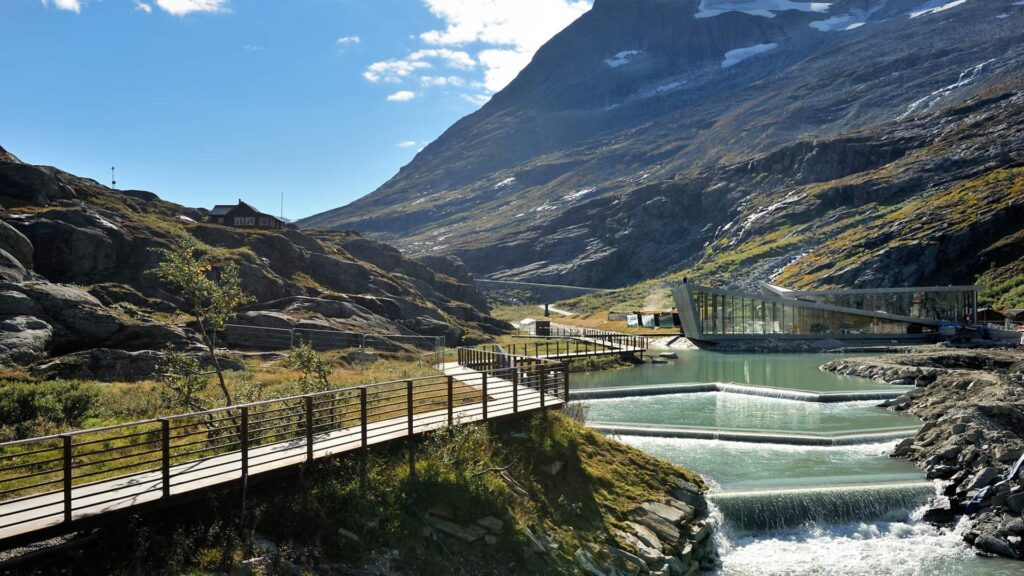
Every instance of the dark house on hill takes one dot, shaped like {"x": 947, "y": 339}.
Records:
{"x": 243, "y": 215}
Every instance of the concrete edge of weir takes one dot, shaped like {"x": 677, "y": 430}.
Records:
{"x": 794, "y": 439}
{"x": 731, "y": 388}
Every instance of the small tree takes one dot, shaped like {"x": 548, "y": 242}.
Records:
{"x": 212, "y": 291}
{"x": 316, "y": 370}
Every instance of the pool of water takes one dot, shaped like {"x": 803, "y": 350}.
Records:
{"x": 796, "y": 371}
{"x": 739, "y": 412}
{"x": 731, "y": 466}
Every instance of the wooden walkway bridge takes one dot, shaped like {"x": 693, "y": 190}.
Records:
{"x": 580, "y": 344}
{"x": 62, "y": 483}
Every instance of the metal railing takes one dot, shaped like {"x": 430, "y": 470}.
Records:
{"x": 56, "y": 481}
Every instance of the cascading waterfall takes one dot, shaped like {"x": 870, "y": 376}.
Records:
{"x": 803, "y": 480}
{"x": 775, "y": 510}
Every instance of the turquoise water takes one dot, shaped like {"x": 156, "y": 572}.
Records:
{"x": 739, "y": 412}
{"x": 793, "y": 510}
{"x": 796, "y": 371}
{"x": 746, "y": 466}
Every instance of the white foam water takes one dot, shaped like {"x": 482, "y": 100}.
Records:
{"x": 893, "y": 546}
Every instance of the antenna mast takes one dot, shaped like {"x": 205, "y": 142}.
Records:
{"x": 113, "y": 178}
{"x": 282, "y": 206}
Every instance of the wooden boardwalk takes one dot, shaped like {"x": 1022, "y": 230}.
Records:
{"x": 573, "y": 347}
{"x": 461, "y": 395}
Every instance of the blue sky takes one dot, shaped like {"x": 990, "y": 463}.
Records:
{"x": 207, "y": 101}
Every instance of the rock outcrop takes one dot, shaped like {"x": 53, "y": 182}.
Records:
{"x": 59, "y": 232}
{"x": 972, "y": 403}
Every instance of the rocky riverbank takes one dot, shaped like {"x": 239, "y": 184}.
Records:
{"x": 972, "y": 442}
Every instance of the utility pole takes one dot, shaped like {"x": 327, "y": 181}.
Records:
{"x": 282, "y": 206}
{"x": 113, "y": 178}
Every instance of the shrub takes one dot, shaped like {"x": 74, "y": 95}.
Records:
{"x": 30, "y": 406}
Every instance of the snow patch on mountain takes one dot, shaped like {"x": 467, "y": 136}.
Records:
{"x": 934, "y": 7}
{"x": 763, "y": 8}
{"x": 734, "y": 57}
{"x": 505, "y": 183}
{"x": 622, "y": 58}
{"x": 853, "y": 19}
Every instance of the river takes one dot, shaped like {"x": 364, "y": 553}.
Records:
{"x": 784, "y": 509}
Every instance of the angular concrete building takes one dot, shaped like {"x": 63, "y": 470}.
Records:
{"x": 715, "y": 315}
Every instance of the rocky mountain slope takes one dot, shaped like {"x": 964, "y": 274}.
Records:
{"x": 76, "y": 259}
{"x": 741, "y": 140}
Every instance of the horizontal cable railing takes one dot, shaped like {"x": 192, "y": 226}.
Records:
{"x": 53, "y": 480}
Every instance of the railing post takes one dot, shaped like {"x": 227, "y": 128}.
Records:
{"x": 165, "y": 455}
{"x": 245, "y": 441}
{"x": 309, "y": 428}
{"x": 565, "y": 381}
{"x": 543, "y": 382}
{"x": 364, "y": 425}
{"x": 451, "y": 400}
{"x": 515, "y": 388}
{"x": 67, "y": 477}
{"x": 484, "y": 394}
{"x": 408, "y": 388}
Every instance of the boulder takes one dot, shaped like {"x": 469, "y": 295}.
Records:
{"x": 675, "y": 512}
{"x": 106, "y": 365}
{"x": 425, "y": 326}
{"x": 339, "y": 275}
{"x": 152, "y": 336}
{"x": 16, "y": 244}
{"x": 77, "y": 311}
{"x": 666, "y": 531}
{"x": 11, "y": 270}
{"x": 74, "y": 246}
{"x": 13, "y": 303}
{"x": 276, "y": 320}
{"x": 468, "y": 534}
{"x": 33, "y": 184}
{"x": 23, "y": 339}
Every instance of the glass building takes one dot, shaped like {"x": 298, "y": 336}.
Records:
{"x": 717, "y": 314}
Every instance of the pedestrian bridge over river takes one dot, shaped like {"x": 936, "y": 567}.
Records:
{"x": 58, "y": 484}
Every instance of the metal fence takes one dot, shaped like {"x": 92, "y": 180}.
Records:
{"x": 55, "y": 482}
{"x": 430, "y": 348}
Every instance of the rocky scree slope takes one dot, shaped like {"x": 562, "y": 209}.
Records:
{"x": 654, "y": 136}
{"x": 75, "y": 276}
{"x": 972, "y": 403}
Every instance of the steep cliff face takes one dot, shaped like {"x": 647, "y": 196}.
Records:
{"x": 647, "y": 126}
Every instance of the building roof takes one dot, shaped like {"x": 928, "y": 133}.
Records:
{"x": 225, "y": 209}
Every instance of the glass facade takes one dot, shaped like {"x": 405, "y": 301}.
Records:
{"x": 951, "y": 306}
{"x": 725, "y": 314}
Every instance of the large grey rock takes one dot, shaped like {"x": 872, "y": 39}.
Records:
{"x": 74, "y": 252}
{"x": 676, "y": 512}
{"x": 10, "y": 269}
{"x": 33, "y": 184}
{"x": 650, "y": 555}
{"x": 75, "y": 310}
{"x": 468, "y": 534}
{"x": 16, "y": 244}
{"x": 102, "y": 364}
{"x": 13, "y": 303}
{"x": 666, "y": 531}
{"x": 23, "y": 339}
{"x": 277, "y": 320}
{"x": 996, "y": 545}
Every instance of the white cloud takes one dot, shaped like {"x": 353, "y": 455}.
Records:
{"x": 401, "y": 96}
{"x": 440, "y": 81}
{"x": 514, "y": 28}
{"x": 393, "y": 70}
{"x": 407, "y": 144}
{"x": 453, "y": 58}
{"x": 183, "y": 7}
{"x": 140, "y": 5}
{"x": 69, "y": 5}
{"x": 346, "y": 40}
